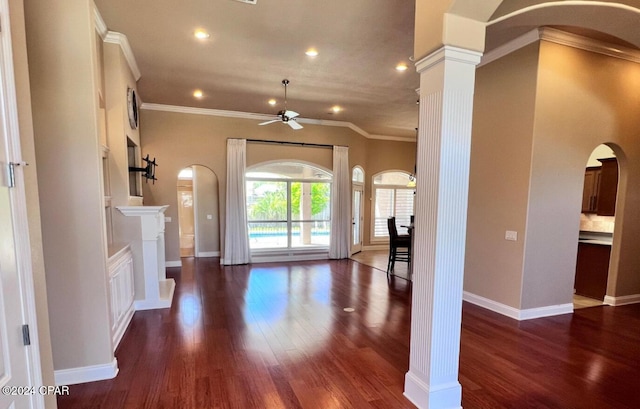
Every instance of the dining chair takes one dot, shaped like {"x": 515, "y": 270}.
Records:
{"x": 399, "y": 246}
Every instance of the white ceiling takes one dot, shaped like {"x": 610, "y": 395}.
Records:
{"x": 253, "y": 47}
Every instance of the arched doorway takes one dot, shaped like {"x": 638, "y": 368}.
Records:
{"x": 198, "y": 214}
{"x": 597, "y": 222}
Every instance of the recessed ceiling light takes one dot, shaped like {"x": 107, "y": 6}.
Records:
{"x": 401, "y": 67}
{"x": 312, "y": 52}
{"x": 197, "y": 93}
{"x": 272, "y": 102}
{"x": 336, "y": 109}
{"x": 201, "y": 34}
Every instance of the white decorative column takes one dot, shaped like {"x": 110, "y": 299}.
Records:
{"x": 147, "y": 246}
{"x": 444, "y": 142}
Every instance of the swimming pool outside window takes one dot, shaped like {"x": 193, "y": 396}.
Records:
{"x": 288, "y": 206}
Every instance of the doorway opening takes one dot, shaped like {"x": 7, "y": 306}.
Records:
{"x": 597, "y": 222}
{"x": 198, "y": 212}
{"x": 186, "y": 222}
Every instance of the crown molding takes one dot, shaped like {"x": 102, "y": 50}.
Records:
{"x": 101, "y": 26}
{"x": 121, "y": 39}
{"x": 264, "y": 117}
{"x": 563, "y": 38}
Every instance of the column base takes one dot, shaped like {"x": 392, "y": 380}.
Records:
{"x": 446, "y": 396}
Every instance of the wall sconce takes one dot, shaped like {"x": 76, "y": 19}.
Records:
{"x": 149, "y": 170}
{"x": 412, "y": 178}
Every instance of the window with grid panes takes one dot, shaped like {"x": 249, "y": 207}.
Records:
{"x": 392, "y": 197}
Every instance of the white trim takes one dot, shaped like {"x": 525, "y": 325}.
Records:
{"x": 563, "y": 38}
{"x": 121, "y": 39}
{"x": 208, "y": 254}
{"x": 17, "y": 196}
{"x": 84, "y": 374}
{"x": 289, "y": 257}
{"x": 101, "y": 26}
{"x": 511, "y": 46}
{"x": 142, "y": 210}
{"x": 167, "y": 288}
{"x": 448, "y": 53}
{"x": 122, "y": 328}
{"x": 173, "y": 263}
{"x": 263, "y": 117}
{"x": 423, "y": 396}
{"x": 516, "y": 314}
{"x": 194, "y": 209}
{"x": 622, "y": 300}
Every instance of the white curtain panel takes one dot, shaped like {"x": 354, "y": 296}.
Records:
{"x": 236, "y": 234}
{"x": 340, "y": 204}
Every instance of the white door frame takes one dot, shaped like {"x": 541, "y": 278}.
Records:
{"x": 19, "y": 203}
{"x": 355, "y": 248}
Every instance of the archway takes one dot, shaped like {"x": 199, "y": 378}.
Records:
{"x": 198, "y": 214}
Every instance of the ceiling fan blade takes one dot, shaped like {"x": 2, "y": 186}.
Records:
{"x": 269, "y": 122}
{"x": 291, "y": 114}
{"x": 294, "y": 125}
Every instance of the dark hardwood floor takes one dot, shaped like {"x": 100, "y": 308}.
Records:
{"x": 276, "y": 336}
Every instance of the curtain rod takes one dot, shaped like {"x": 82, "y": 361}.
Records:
{"x": 311, "y": 145}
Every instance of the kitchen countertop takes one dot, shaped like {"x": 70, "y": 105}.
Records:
{"x": 592, "y": 237}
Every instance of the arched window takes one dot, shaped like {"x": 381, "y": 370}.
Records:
{"x": 392, "y": 196}
{"x": 288, "y": 205}
{"x": 357, "y": 175}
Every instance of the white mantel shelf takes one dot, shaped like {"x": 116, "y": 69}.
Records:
{"x": 148, "y": 248}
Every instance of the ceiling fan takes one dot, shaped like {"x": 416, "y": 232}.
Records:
{"x": 285, "y": 116}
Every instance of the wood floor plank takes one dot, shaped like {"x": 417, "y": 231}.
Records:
{"x": 276, "y": 336}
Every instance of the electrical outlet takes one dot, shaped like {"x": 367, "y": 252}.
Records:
{"x": 209, "y": 217}
{"x": 167, "y": 219}
{"x": 511, "y": 235}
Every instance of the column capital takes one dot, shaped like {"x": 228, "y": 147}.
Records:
{"x": 448, "y": 53}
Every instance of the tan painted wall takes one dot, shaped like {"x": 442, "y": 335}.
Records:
{"x": 206, "y": 203}
{"x": 23, "y": 94}
{"x": 179, "y": 140}
{"x": 501, "y": 146}
{"x": 584, "y": 99}
{"x": 65, "y": 105}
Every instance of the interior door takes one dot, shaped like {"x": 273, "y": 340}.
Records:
{"x": 14, "y": 375}
{"x": 357, "y": 218}
{"x": 15, "y": 358}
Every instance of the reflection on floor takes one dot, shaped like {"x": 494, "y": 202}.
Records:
{"x": 378, "y": 259}
{"x": 585, "y": 302}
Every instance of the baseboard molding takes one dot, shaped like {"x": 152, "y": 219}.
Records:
{"x": 423, "y": 396}
{"x": 284, "y": 258}
{"x": 208, "y": 254}
{"x": 173, "y": 263}
{"x": 85, "y": 374}
{"x": 167, "y": 288}
{"x": 622, "y": 300}
{"x": 516, "y": 314}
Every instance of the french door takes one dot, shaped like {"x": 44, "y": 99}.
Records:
{"x": 357, "y": 218}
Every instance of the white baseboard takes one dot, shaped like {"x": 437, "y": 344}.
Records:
{"x": 427, "y": 396}
{"x": 167, "y": 288}
{"x": 622, "y": 300}
{"x": 516, "y": 314}
{"x": 173, "y": 263}
{"x": 84, "y": 374}
{"x": 208, "y": 254}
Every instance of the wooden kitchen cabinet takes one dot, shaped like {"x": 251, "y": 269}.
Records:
{"x": 607, "y": 188}
{"x": 592, "y": 270}
{"x": 601, "y": 188}
{"x": 590, "y": 192}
